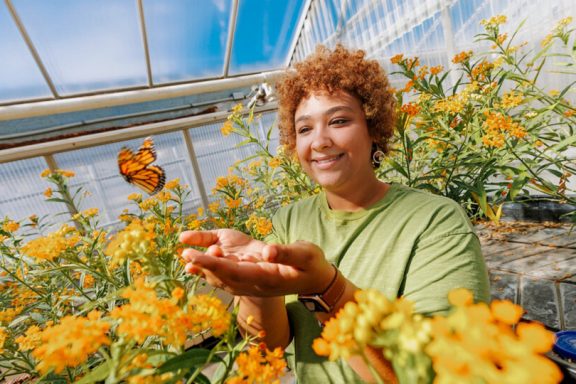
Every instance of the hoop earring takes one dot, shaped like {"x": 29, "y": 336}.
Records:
{"x": 378, "y": 157}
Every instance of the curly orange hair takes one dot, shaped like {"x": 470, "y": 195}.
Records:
{"x": 333, "y": 71}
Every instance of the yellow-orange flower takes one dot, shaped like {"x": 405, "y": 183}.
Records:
{"x": 462, "y": 57}
{"x": 227, "y": 128}
{"x": 148, "y": 204}
{"x": 275, "y": 162}
{"x": 3, "y": 337}
{"x": 496, "y": 125}
{"x": 172, "y": 184}
{"x": 397, "y": 58}
{"x": 207, "y": 312}
{"x": 71, "y": 342}
{"x": 436, "y": 69}
{"x": 512, "y": 99}
{"x": 233, "y": 203}
{"x": 135, "y": 196}
{"x": 133, "y": 242}
{"x": 506, "y": 311}
{"x": 10, "y": 226}
{"x": 258, "y": 366}
{"x": 30, "y": 340}
{"x": 52, "y": 245}
{"x": 537, "y": 338}
{"x": 214, "y": 206}
{"x": 493, "y": 22}
{"x": 148, "y": 315}
{"x": 410, "y": 109}
{"x": 66, "y": 173}
{"x": 164, "y": 196}
{"x": 460, "y": 297}
{"x": 261, "y": 225}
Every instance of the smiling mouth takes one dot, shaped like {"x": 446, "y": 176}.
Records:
{"x": 328, "y": 160}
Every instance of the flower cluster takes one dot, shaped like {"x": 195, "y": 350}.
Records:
{"x": 70, "y": 342}
{"x": 473, "y": 343}
{"x": 259, "y": 366}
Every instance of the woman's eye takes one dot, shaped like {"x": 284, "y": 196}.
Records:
{"x": 338, "y": 121}
{"x": 302, "y": 130}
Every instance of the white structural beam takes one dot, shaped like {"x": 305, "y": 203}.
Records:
{"x": 73, "y": 104}
{"x": 231, "y": 32}
{"x": 73, "y": 143}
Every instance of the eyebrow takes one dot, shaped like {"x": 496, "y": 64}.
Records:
{"x": 330, "y": 111}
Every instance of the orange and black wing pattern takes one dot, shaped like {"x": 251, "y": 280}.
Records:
{"x": 137, "y": 168}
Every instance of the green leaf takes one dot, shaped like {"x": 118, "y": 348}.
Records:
{"x": 100, "y": 373}
{"x": 201, "y": 379}
{"x": 398, "y": 168}
{"x": 187, "y": 360}
{"x": 563, "y": 144}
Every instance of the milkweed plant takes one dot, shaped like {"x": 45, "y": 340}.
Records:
{"x": 79, "y": 304}
{"x": 83, "y": 304}
{"x": 498, "y": 132}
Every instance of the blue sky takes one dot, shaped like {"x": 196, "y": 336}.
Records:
{"x": 92, "y": 45}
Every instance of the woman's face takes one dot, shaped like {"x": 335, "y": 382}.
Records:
{"x": 332, "y": 140}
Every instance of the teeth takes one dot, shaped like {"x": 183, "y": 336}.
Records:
{"x": 327, "y": 160}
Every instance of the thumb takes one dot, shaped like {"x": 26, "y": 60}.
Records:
{"x": 299, "y": 254}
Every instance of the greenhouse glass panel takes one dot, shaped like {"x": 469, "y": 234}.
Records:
{"x": 216, "y": 153}
{"x": 22, "y": 193}
{"x": 264, "y": 33}
{"x": 86, "y": 45}
{"x": 97, "y": 172}
{"x": 20, "y": 78}
{"x": 187, "y": 40}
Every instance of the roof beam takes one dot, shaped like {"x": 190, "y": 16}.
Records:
{"x": 144, "y": 33}
{"x": 231, "y": 32}
{"x": 74, "y": 104}
{"x": 31, "y": 47}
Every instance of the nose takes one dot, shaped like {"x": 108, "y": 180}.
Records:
{"x": 321, "y": 139}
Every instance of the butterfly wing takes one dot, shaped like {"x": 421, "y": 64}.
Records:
{"x": 136, "y": 168}
{"x": 151, "y": 179}
{"x": 126, "y": 164}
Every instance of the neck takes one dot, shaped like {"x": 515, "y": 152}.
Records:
{"x": 359, "y": 197}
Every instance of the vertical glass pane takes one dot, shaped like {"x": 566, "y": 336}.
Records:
{"x": 97, "y": 172}
{"x": 86, "y": 45}
{"x": 20, "y": 78}
{"x": 216, "y": 153}
{"x": 264, "y": 34}
{"x": 22, "y": 193}
{"x": 187, "y": 39}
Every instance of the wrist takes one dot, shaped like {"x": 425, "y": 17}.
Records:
{"x": 326, "y": 299}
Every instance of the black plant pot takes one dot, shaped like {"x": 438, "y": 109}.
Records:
{"x": 537, "y": 209}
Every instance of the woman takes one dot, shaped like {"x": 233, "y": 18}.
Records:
{"x": 337, "y": 115}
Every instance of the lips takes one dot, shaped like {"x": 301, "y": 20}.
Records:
{"x": 327, "y": 161}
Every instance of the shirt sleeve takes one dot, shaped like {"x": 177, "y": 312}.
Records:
{"x": 278, "y": 234}
{"x": 447, "y": 256}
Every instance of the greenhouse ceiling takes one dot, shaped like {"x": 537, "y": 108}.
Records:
{"x": 71, "y": 64}
{"x": 64, "y": 49}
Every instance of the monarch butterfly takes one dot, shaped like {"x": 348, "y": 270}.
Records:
{"x": 136, "y": 167}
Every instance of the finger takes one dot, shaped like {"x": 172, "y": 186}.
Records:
{"x": 215, "y": 250}
{"x": 235, "y": 271}
{"x": 299, "y": 254}
{"x": 199, "y": 238}
{"x": 192, "y": 269}
{"x": 190, "y": 253}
